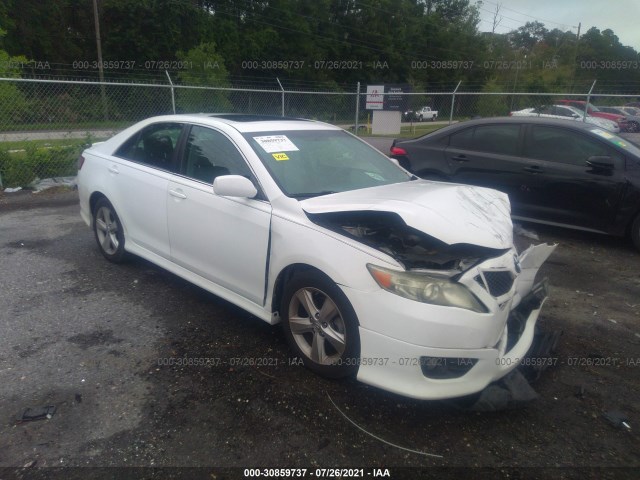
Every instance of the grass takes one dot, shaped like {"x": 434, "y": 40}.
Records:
{"x": 60, "y": 142}
{"x": 67, "y": 127}
{"x": 408, "y": 131}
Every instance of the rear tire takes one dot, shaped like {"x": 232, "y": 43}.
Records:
{"x": 635, "y": 232}
{"x": 634, "y": 126}
{"x": 108, "y": 231}
{"x": 321, "y": 325}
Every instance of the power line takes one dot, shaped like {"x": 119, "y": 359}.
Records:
{"x": 526, "y": 15}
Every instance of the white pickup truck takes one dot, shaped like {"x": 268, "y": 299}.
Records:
{"x": 425, "y": 113}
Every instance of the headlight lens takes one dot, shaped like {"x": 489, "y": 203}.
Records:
{"x": 426, "y": 288}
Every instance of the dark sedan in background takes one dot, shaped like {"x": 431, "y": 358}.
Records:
{"x": 570, "y": 174}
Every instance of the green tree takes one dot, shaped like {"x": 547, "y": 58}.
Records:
{"x": 150, "y": 31}
{"x": 203, "y": 66}
{"x": 492, "y": 105}
{"x": 14, "y": 107}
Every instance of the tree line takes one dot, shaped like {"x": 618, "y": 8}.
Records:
{"x": 429, "y": 44}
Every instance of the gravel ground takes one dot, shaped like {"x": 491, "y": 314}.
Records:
{"x": 102, "y": 344}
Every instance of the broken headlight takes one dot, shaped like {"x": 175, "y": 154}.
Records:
{"x": 426, "y": 288}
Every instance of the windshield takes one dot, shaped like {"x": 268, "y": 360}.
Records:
{"x": 575, "y": 110}
{"x": 627, "y": 145}
{"x": 309, "y": 163}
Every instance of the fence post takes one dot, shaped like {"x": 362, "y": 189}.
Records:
{"x": 586, "y": 105}
{"x": 453, "y": 100}
{"x": 281, "y": 88}
{"x": 357, "y": 108}
{"x": 173, "y": 95}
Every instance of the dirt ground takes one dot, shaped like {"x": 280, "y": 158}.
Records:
{"x": 106, "y": 345}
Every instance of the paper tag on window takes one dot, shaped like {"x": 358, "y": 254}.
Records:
{"x": 276, "y": 143}
{"x": 602, "y": 133}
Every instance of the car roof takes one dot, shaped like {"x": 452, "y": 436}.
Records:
{"x": 248, "y": 122}
{"x": 557, "y": 122}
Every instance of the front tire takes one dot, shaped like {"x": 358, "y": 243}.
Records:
{"x": 108, "y": 231}
{"x": 321, "y": 325}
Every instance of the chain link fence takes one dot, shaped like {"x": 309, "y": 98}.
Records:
{"x": 45, "y": 124}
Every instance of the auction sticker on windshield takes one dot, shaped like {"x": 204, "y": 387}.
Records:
{"x": 276, "y": 143}
{"x": 616, "y": 140}
{"x": 280, "y": 156}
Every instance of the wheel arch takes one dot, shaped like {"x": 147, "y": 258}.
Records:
{"x": 285, "y": 275}
{"x": 93, "y": 199}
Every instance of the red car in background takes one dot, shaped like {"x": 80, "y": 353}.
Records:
{"x": 593, "y": 110}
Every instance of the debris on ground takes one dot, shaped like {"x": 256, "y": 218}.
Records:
{"x": 38, "y": 413}
{"x": 39, "y": 185}
{"x": 512, "y": 391}
{"x": 617, "y": 419}
{"x": 542, "y": 353}
{"x": 12, "y": 190}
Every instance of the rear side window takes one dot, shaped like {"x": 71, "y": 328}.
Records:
{"x": 500, "y": 139}
{"x": 462, "y": 139}
{"x": 154, "y": 146}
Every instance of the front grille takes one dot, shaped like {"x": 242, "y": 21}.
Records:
{"x": 496, "y": 283}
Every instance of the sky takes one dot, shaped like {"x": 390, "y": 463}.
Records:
{"x": 621, "y": 16}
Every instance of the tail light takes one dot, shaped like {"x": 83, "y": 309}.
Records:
{"x": 80, "y": 162}
{"x": 398, "y": 151}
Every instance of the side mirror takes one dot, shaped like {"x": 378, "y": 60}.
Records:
{"x": 601, "y": 164}
{"x": 234, "y": 186}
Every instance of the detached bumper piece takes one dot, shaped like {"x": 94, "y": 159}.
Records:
{"x": 518, "y": 317}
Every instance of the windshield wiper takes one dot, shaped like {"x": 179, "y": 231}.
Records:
{"x": 310, "y": 195}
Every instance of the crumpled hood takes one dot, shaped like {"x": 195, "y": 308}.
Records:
{"x": 449, "y": 212}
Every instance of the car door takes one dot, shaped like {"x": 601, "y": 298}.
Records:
{"x": 490, "y": 156}
{"x": 570, "y": 189}
{"x": 139, "y": 172}
{"x": 222, "y": 239}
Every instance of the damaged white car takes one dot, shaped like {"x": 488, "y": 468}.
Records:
{"x": 412, "y": 285}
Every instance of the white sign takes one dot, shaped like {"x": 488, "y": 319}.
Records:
{"x": 276, "y": 143}
{"x": 375, "y": 97}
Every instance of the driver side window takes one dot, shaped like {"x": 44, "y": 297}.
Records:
{"x": 209, "y": 154}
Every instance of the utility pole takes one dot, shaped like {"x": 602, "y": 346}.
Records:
{"x": 100, "y": 69}
{"x": 575, "y": 57}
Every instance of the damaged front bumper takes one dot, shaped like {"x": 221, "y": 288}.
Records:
{"x": 432, "y": 372}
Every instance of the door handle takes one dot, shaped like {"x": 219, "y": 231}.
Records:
{"x": 461, "y": 158}
{"x": 177, "y": 194}
{"x": 113, "y": 169}
{"x": 533, "y": 169}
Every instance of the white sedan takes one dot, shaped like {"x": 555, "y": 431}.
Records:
{"x": 412, "y": 285}
{"x": 567, "y": 112}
